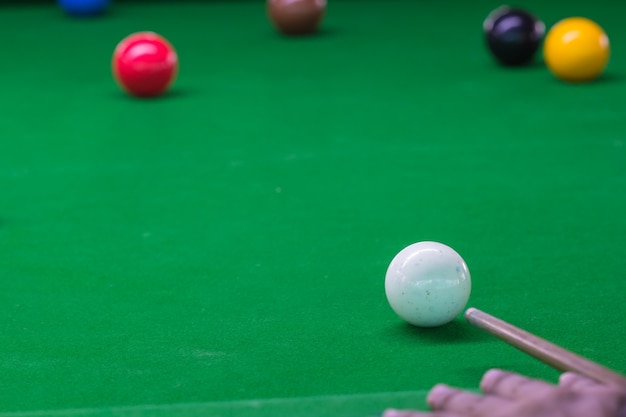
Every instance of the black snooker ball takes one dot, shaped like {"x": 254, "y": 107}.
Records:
{"x": 513, "y": 35}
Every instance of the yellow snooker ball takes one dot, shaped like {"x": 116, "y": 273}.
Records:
{"x": 576, "y": 49}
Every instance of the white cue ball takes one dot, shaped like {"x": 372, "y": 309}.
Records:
{"x": 428, "y": 284}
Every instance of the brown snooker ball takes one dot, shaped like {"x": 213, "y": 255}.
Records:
{"x": 296, "y": 17}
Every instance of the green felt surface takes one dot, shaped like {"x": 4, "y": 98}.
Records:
{"x": 227, "y": 244}
{"x": 365, "y": 405}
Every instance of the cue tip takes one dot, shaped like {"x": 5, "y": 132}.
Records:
{"x": 469, "y": 312}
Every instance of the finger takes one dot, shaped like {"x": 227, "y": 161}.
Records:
{"x": 444, "y": 398}
{"x": 405, "y": 413}
{"x": 509, "y": 385}
{"x": 409, "y": 413}
{"x": 575, "y": 382}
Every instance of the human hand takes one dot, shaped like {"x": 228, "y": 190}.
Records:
{"x": 510, "y": 394}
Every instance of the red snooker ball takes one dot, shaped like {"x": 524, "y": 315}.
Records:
{"x": 145, "y": 64}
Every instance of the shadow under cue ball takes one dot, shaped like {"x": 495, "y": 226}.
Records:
{"x": 296, "y": 17}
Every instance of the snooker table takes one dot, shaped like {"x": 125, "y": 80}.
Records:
{"x": 221, "y": 250}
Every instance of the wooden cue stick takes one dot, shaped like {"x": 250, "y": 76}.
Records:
{"x": 549, "y": 353}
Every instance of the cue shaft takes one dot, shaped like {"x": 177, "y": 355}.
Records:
{"x": 549, "y": 353}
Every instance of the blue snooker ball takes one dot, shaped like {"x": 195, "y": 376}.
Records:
{"x": 84, "y": 7}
